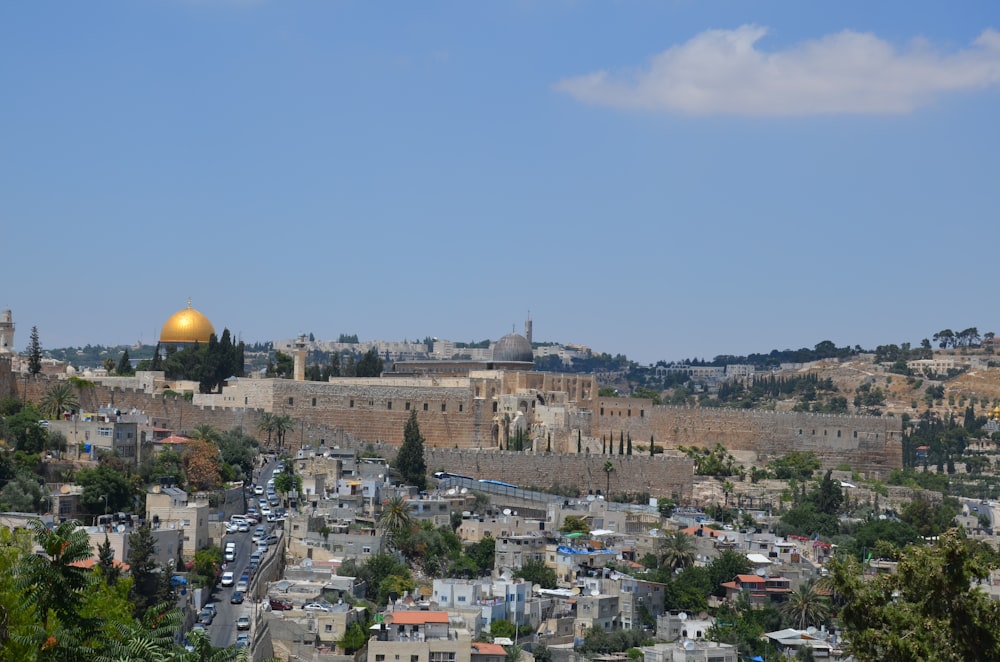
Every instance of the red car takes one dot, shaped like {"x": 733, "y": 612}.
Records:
{"x": 280, "y": 605}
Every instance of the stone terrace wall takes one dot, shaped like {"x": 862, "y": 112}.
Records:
{"x": 869, "y": 444}
{"x": 661, "y": 476}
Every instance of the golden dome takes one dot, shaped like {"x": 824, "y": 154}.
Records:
{"x": 186, "y": 326}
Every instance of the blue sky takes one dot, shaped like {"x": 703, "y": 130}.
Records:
{"x": 661, "y": 179}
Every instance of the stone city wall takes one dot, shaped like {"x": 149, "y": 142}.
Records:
{"x": 869, "y": 444}
{"x": 660, "y": 476}
{"x": 8, "y": 388}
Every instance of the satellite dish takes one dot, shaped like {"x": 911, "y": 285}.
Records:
{"x": 590, "y": 497}
{"x": 682, "y": 616}
{"x": 536, "y": 588}
{"x": 688, "y": 645}
{"x": 453, "y": 491}
{"x": 506, "y": 511}
{"x": 576, "y": 591}
{"x": 464, "y": 490}
{"x": 64, "y": 489}
{"x": 120, "y": 528}
{"x": 595, "y": 591}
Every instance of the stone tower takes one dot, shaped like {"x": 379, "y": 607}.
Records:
{"x": 299, "y": 359}
{"x": 527, "y": 328}
{"x": 7, "y": 333}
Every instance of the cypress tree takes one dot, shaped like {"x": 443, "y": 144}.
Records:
{"x": 34, "y": 353}
{"x": 628, "y": 450}
{"x": 579, "y": 441}
{"x": 548, "y": 445}
{"x": 652, "y": 446}
{"x": 621, "y": 442}
{"x": 410, "y": 461}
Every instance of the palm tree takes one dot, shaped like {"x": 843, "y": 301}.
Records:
{"x": 58, "y": 398}
{"x": 608, "y": 468}
{"x": 395, "y": 517}
{"x": 205, "y": 432}
{"x": 727, "y": 490}
{"x": 677, "y": 551}
{"x": 266, "y": 424}
{"x": 806, "y": 606}
{"x": 283, "y": 423}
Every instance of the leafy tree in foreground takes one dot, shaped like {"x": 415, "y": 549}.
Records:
{"x": 930, "y": 609}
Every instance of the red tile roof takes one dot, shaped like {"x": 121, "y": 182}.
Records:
{"x": 419, "y": 617}
{"x": 489, "y": 649}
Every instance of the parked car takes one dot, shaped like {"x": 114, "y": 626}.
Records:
{"x": 243, "y": 623}
{"x": 236, "y": 598}
{"x": 228, "y": 578}
{"x": 206, "y": 616}
{"x": 244, "y": 527}
{"x": 277, "y": 604}
{"x": 211, "y": 607}
{"x": 233, "y": 527}
{"x": 259, "y": 533}
{"x": 243, "y": 585}
{"x": 315, "y": 606}
{"x": 242, "y": 640}
{"x": 272, "y": 539}
{"x": 259, "y": 489}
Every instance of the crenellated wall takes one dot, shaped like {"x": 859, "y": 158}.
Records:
{"x": 475, "y": 412}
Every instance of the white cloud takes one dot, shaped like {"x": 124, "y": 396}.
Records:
{"x": 723, "y": 72}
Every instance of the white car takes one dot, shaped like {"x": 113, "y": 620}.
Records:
{"x": 233, "y": 527}
{"x": 259, "y": 489}
{"x": 315, "y": 606}
{"x": 228, "y": 578}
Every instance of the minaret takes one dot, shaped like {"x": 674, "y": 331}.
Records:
{"x": 6, "y": 332}
{"x": 527, "y": 327}
{"x": 299, "y": 355}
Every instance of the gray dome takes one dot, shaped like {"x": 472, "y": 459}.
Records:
{"x": 513, "y": 348}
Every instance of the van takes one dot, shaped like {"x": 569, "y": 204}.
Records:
{"x": 238, "y": 518}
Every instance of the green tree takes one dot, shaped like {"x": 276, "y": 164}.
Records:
{"x": 806, "y": 606}
{"x": 677, "y": 551}
{"x": 931, "y": 608}
{"x": 537, "y": 572}
{"x": 370, "y": 364}
{"x": 59, "y": 397}
{"x": 409, "y": 460}
{"x": 150, "y": 583}
{"x": 283, "y": 424}
{"x": 395, "y": 518}
{"x": 124, "y": 367}
{"x": 265, "y": 424}
{"x": 609, "y": 467}
{"x": 34, "y": 353}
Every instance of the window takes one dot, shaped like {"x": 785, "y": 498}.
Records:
{"x": 291, "y": 401}
{"x": 380, "y": 658}
{"x": 314, "y": 402}
{"x": 642, "y": 413}
{"x": 366, "y": 550}
{"x": 444, "y": 407}
{"x": 352, "y": 404}
{"x": 461, "y": 598}
{"x": 407, "y": 406}
{"x": 425, "y": 406}
{"x": 602, "y": 411}
{"x": 442, "y": 656}
{"x": 388, "y": 405}
{"x": 461, "y": 407}
{"x": 494, "y": 407}
{"x": 104, "y": 432}
{"x": 328, "y": 627}
{"x": 414, "y": 658}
